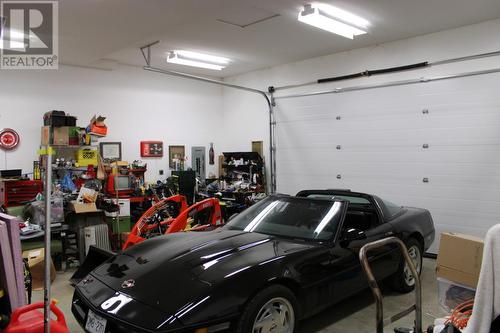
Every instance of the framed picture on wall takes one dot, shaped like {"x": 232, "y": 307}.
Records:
{"x": 151, "y": 148}
{"x": 111, "y": 151}
{"x": 176, "y": 157}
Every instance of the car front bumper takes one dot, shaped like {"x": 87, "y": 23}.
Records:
{"x": 80, "y": 308}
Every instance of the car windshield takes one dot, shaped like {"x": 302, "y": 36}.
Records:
{"x": 310, "y": 219}
{"x": 351, "y": 199}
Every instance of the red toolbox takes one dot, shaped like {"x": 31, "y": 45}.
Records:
{"x": 16, "y": 192}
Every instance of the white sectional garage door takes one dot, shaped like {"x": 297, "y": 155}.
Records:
{"x": 373, "y": 141}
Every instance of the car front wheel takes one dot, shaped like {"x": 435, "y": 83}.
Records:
{"x": 272, "y": 310}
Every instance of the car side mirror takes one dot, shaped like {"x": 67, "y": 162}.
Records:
{"x": 350, "y": 235}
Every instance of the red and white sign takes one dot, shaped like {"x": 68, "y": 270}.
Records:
{"x": 9, "y": 139}
{"x": 151, "y": 148}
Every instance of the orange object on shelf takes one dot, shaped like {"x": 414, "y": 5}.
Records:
{"x": 28, "y": 319}
{"x": 97, "y": 126}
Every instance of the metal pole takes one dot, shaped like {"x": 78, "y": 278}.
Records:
{"x": 392, "y": 83}
{"x": 147, "y": 57}
{"x": 235, "y": 86}
{"x": 433, "y": 63}
{"x": 372, "y": 282}
{"x": 272, "y": 144}
{"x": 204, "y": 79}
{"x": 48, "y": 194}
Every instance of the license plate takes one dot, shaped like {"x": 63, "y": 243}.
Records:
{"x": 95, "y": 323}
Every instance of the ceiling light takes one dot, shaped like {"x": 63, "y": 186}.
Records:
{"x": 202, "y": 57}
{"x": 333, "y": 19}
{"x": 343, "y": 15}
{"x": 195, "y": 59}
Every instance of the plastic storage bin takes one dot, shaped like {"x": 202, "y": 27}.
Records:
{"x": 451, "y": 294}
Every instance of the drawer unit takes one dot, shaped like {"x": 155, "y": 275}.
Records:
{"x": 16, "y": 192}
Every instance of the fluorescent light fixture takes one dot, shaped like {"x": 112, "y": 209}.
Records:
{"x": 342, "y": 15}
{"x": 333, "y": 19}
{"x": 195, "y": 59}
{"x": 202, "y": 57}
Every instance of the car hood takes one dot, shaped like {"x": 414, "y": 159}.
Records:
{"x": 170, "y": 272}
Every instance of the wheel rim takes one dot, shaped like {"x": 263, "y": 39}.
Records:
{"x": 415, "y": 256}
{"x": 276, "y": 316}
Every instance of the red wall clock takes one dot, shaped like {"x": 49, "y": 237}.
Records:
{"x": 9, "y": 139}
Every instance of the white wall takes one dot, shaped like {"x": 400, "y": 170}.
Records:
{"x": 138, "y": 105}
{"x": 382, "y": 130}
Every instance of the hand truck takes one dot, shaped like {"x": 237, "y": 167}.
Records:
{"x": 372, "y": 282}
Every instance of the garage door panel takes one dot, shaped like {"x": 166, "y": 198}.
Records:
{"x": 380, "y": 165}
{"x": 381, "y": 133}
{"x": 419, "y": 132}
{"x": 460, "y": 113}
{"x": 487, "y": 155}
{"x": 402, "y": 182}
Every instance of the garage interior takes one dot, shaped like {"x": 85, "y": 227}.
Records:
{"x": 126, "y": 123}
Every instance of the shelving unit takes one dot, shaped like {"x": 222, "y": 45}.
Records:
{"x": 245, "y": 164}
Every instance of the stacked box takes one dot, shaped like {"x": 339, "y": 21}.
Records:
{"x": 58, "y": 136}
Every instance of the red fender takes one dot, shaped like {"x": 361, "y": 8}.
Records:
{"x": 141, "y": 226}
{"x": 181, "y": 222}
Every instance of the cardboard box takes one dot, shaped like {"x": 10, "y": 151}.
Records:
{"x": 80, "y": 208}
{"x": 46, "y": 136}
{"x": 55, "y": 136}
{"x": 60, "y": 136}
{"x": 459, "y": 258}
{"x": 36, "y": 263}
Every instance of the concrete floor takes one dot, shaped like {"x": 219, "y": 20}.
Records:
{"x": 354, "y": 315}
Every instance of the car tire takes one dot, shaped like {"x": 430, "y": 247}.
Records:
{"x": 273, "y": 306}
{"x": 402, "y": 281}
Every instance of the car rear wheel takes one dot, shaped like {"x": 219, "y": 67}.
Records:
{"x": 403, "y": 280}
{"x": 272, "y": 310}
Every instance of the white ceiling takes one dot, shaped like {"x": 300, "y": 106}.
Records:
{"x": 93, "y": 32}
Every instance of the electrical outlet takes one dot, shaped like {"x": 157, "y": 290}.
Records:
{"x": 161, "y": 172}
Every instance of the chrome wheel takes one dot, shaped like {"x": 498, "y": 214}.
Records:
{"x": 276, "y": 316}
{"x": 416, "y": 258}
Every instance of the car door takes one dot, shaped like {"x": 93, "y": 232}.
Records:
{"x": 345, "y": 255}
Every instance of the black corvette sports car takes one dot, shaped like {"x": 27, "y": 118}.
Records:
{"x": 281, "y": 260}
